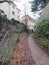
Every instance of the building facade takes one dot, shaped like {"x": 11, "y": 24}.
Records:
{"x": 10, "y": 9}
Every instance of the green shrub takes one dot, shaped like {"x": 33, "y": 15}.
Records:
{"x": 45, "y": 43}
{"x": 3, "y": 19}
{"x": 42, "y": 26}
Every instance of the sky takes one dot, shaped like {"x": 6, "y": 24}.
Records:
{"x": 25, "y": 5}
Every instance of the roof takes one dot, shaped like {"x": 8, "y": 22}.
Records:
{"x": 8, "y": 2}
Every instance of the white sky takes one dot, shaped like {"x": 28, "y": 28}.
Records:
{"x": 27, "y": 5}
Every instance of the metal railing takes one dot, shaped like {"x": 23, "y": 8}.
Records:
{"x": 7, "y": 46}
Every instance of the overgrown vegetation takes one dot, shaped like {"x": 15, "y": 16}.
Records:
{"x": 14, "y": 22}
{"x": 42, "y": 28}
{"x": 45, "y": 43}
{"x": 38, "y": 4}
{"x": 5, "y": 22}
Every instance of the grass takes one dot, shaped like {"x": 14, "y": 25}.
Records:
{"x": 45, "y": 43}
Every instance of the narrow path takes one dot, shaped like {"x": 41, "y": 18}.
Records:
{"x": 22, "y": 54}
{"x": 27, "y": 52}
{"x": 38, "y": 55}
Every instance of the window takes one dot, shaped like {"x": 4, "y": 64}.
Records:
{"x": 13, "y": 7}
{"x": 18, "y": 16}
{"x": 13, "y": 13}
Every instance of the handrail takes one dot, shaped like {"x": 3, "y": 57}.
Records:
{"x": 6, "y": 35}
{"x": 4, "y": 38}
{"x": 9, "y": 31}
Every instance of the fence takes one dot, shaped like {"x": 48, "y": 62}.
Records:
{"x": 7, "y": 46}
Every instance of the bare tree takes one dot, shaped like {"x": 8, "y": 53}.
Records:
{"x": 1, "y": 1}
{"x": 25, "y": 14}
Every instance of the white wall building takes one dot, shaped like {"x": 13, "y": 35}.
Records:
{"x": 10, "y": 9}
